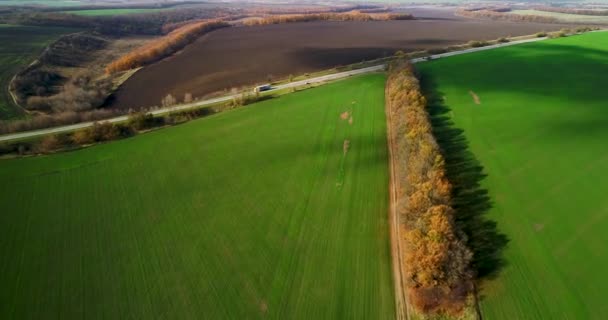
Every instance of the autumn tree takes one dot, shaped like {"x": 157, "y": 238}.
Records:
{"x": 83, "y": 137}
{"x": 49, "y": 143}
{"x": 437, "y": 260}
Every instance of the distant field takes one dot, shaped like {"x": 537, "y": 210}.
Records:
{"x": 50, "y": 3}
{"x": 539, "y": 130}
{"x": 565, "y": 17}
{"x": 260, "y": 212}
{"x": 21, "y": 46}
{"x": 297, "y": 48}
{"x": 110, "y": 12}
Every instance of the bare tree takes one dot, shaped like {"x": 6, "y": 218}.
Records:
{"x": 168, "y": 101}
{"x": 188, "y": 97}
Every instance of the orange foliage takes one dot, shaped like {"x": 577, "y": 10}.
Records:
{"x": 437, "y": 260}
{"x": 328, "y": 16}
{"x": 164, "y": 46}
{"x": 498, "y": 15}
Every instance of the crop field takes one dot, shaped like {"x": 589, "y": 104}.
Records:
{"x": 49, "y": 3}
{"x": 235, "y": 57}
{"x": 110, "y": 12}
{"x": 534, "y": 116}
{"x": 566, "y": 17}
{"x": 275, "y": 210}
{"x": 26, "y": 43}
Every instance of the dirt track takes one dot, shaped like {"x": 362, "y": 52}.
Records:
{"x": 240, "y": 56}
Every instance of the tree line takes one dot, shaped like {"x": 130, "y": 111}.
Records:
{"x": 328, "y": 16}
{"x": 587, "y": 12}
{"x": 437, "y": 262}
{"x": 317, "y": 9}
{"x": 165, "y": 46}
{"x": 102, "y": 131}
{"x": 505, "y": 16}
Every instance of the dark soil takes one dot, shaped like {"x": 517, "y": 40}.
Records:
{"x": 240, "y": 56}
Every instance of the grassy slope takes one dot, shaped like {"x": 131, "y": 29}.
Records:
{"x": 232, "y": 216}
{"x": 26, "y": 44}
{"x": 540, "y": 132}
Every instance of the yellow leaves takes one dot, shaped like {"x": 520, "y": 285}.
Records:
{"x": 327, "y": 16}
{"x": 436, "y": 260}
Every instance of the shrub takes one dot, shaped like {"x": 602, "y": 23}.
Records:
{"x": 558, "y": 34}
{"x": 168, "y": 101}
{"x": 437, "y": 51}
{"x": 48, "y": 144}
{"x": 187, "y": 97}
{"x": 83, "y": 137}
{"x": 244, "y": 99}
{"x": 140, "y": 121}
{"x": 502, "y": 40}
{"x": 583, "y": 29}
{"x": 541, "y": 34}
{"x": 108, "y": 131}
{"x": 6, "y": 148}
{"x": 477, "y": 44}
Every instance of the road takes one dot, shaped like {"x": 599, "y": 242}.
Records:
{"x": 198, "y": 104}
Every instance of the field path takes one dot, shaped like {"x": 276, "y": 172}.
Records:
{"x": 198, "y": 104}
{"x": 401, "y": 305}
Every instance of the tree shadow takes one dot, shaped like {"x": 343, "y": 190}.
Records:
{"x": 470, "y": 200}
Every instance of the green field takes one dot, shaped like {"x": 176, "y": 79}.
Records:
{"x": 566, "y": 17}
{"x": 251, "y": 213}
{"x": 111, "y": 12}
{"x": 21, "y": 46}
{"x": 540, "y": 132}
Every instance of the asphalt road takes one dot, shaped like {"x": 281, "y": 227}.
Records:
{"x": 198, "y": 104}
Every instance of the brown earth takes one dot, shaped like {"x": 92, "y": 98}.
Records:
{"x": 240, "y": 56}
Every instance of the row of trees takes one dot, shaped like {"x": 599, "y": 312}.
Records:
{"x": 437, "y": 260}
{"x": 41, "y": 121}
{"x": 100, "y": 132}
{"x": 588, "y": 12}
{"x": 328, "y": 16}
{"x": 164, "y": 46}
{"x": 317, "y": 9}
{"x": 496, "y": 15}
